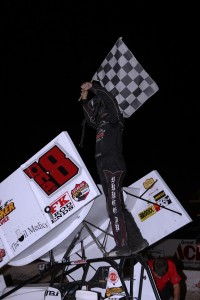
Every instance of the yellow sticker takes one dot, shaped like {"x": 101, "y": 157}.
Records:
{"x": 148, "y": 212}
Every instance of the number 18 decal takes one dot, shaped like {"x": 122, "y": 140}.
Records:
{"x": 52, "y": 170}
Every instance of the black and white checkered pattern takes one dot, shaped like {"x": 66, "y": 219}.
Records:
{"x": 122, "y": 75}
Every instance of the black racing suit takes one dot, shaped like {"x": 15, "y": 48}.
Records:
{"x": 103, "y": 114}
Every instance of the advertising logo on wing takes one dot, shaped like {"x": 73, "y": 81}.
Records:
{"x": 80, "y": 191}
{"x": 60, "y": 207}
{"x": 52, "y": 170}
{"x": 5, "y": 210}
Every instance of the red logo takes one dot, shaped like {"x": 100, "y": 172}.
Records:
{"x": 113, "y": 276}
{"x": 52, "y": 170}
{"x": 80, "y": 191}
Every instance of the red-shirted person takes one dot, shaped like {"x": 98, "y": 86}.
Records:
{"x": 198, "y": 248}
{"x": 166, "y": 277}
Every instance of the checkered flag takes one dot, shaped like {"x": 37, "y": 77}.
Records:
{"x": 122, "y": 75}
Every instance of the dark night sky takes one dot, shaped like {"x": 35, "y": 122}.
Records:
{"x": 48, "y": 48}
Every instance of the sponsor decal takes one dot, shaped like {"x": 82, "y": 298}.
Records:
{"x": 2, "y": 254}
{"x": 60, "y": 207}
{"x": 5, "y": 209}
{"x": 188, "y": 253}
{"x": 23, "y": 234}
{"x": 80, "y": 191}
{"x": 52, "y": 170}
{"x": 113, "y": 276}
{"x": 78, "y": 262}
{"x": 115, "y": 291}
{"x": 20, "y": 235}
{"x": 149, "y": 183}
{"x": 100, "y": 135}
{"x": 147, "y": 213}
{"x": 52, "y": 292}
{"x": 161, "y": 199}
{"x": 151, "y": 210}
